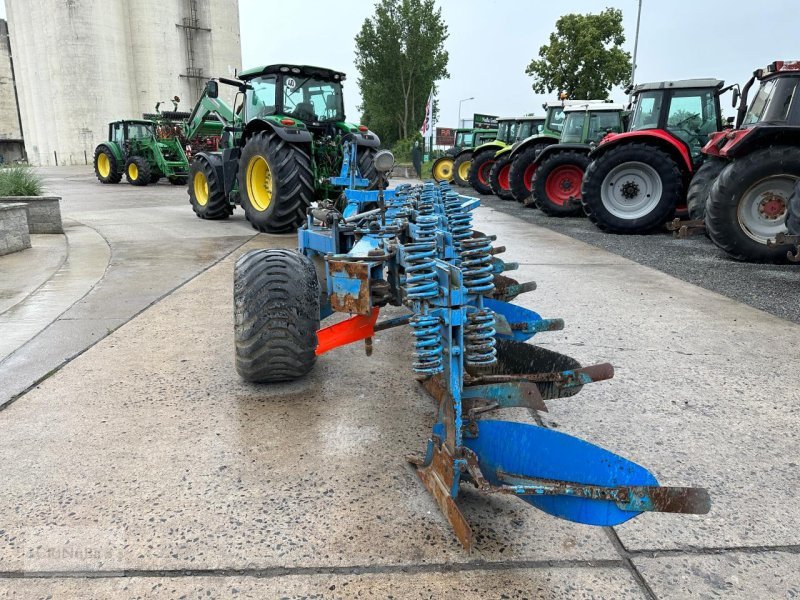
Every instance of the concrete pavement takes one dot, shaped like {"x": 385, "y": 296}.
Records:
{"x": 145, "y": 467}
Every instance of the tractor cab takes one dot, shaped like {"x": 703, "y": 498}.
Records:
{"x": 463, "y": 139}
{"x": 122, "y": 132}
{"x": 527, "y": 127}
{"x": 590, "y": 122}
{"x": 688, "y": 110}
{"x": 312, "y": 95}
{"x": 506, "y": 130}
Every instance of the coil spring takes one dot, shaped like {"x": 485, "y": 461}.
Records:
{"x": 459, "y": 220}
{"x": 428, "y": 346}
{"x": 476, "y": 265}
{"x": 479, "y": 338}
{"x": 421, "y": 282}
{"x": 426, "y": 201}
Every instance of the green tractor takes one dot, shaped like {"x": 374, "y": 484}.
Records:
{"x": 483, "y": 156}
{"x": 281, "y": 147}
{"x": 558, "y": 168}
{"x": 524, "y": 153}
{"x": 442, "y": 168}
{"x": 462, "y": 160}
{"x": 499, "y": 174}
{"x": 142, "y": 150}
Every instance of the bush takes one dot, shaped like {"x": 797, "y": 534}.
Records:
{"x": 402, "y": 148}
{"x": 20, "y": 181}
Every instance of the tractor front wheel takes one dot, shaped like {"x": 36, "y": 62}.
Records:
{"x": 479, "y": 170}
{"x": 105, "y": 166}
{"x": 137, "y": 171}
{"x": 461, "y": 167}
{"x": 700, "y": 187}
{"x": 442, "y": 169}
{"x": 633, "y": 188}
{"x": 557, "y": 184}
{"x": 499, "y": 177}
{"x": 276, "y": 183}
{"x": 520, "y": 176}
{"x": 366, "y": 166}
{"x": 749, "y": 202}
{"x": 206, "y": 193}
{"x": 276, "y": 315}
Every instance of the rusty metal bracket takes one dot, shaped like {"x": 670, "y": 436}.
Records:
{"x": 684, "y": 229}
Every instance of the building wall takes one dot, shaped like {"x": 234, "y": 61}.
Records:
{"x": 10, "y": 134}
{"x": 81, "y": 64}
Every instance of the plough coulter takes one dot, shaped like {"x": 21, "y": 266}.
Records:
{"x": 415, "y": 247}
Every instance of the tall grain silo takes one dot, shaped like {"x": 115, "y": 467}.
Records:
{"x": 80, "y": 64}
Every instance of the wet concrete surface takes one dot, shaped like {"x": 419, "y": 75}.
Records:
{"x": 771, "y": 288}
{"x": 173, "y": 477}
{"x": 126, "y": 248}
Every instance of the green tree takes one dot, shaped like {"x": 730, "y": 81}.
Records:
{"x": 584, "y": 57}
{"x": 400, "y": 55}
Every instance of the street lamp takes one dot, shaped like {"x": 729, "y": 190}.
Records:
{"x": 460, "y": 124}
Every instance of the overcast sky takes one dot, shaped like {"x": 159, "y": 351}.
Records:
{"x": 492, "y": 41}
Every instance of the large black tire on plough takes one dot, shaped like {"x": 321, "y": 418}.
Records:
{"x": 276, "y": 315}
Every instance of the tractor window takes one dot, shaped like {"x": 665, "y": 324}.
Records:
{"x": 504, "y": 130}
{"x": 260, "y": 101}
{"x": 555, "y": 119}
{"x": 139, "y": 131}
{"x": 311, "y": 99}
{"x": 692, "y": 116}
{"x": 526, "y": 129}
{"x": 773, "y": 101}
{"x": 573, "y": 127}
{"x": 648, "y": 109}
{"x": 116, "y": 133}
{"x": 601, "y": 123}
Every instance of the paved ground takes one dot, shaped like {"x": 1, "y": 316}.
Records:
{"x": 145, "y": 467}
{"x": 772, "y": 288}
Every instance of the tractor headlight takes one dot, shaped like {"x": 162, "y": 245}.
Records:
{"x": 384, "y": 161}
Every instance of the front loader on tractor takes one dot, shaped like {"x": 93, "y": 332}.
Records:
{"x": 142, "y": 150}
{"x": 463, "y": 159}
{"x": 484, "y": 156}
{"x": 637, "y": 180}
{"x": 282, "y": 146}
{"x": 418, "y": 250}
{"x": 558, "y": 168}
{"x": 743, "y": 190}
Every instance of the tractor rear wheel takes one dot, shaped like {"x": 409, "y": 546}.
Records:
{"x": 276, "y": 184}
{"x": 749, "y": 202}
{"x": 479, "y": 170}
{"x": 793, "y": 220}
{"x": 633, "y": 188}
{"x": 178, "y": 180}
{"x": 499, "y": 178}
{"x": 276, "y": 315}
{"x": 206, "y": 193}
{"x": 700, "y": 187}
{"x": 442, "y": 169}
{"x": 137, "y": 171}
{"x": 105, "y": 166}
{"x": 557, "y": 184}
{"x": 520, "y": 176}
{"x": 366, "y": 166}
{"x": 461, "y": 167}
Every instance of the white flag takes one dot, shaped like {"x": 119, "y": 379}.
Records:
{"x": 427, "y": 125}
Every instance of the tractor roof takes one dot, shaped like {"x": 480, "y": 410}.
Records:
{"x": 681, "y": 84}
{"x": 565, "y": 103}
{"x": 303, "y": 70}
{"x": 779, "y": 67}
{"x": 594, "y": 106}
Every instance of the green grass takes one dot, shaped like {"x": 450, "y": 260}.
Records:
{"x": 20, "y": 181}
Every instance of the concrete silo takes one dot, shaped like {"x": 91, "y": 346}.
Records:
{"x": 10, "y": 131}
{"x": 80, "y": 64}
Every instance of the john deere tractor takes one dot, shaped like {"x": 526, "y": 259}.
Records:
{"x": 637, "y": 180}
{"x": 752, "y": 170}
{"x": 558, "y": 168}
{"x": 142, "y": 150}
{"x": 282, "y": 146}
{"x": 442, "y": 169}
{"x": 463, "y": 159}
{"x": 483, "y": 157}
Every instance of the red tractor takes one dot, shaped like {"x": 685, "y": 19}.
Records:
{"x": 637, "y": 180}
{"x": 757, "y": 166}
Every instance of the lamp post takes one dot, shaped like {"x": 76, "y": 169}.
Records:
{"x": 460, "y": 124}
{"x": 635, "y": 49}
